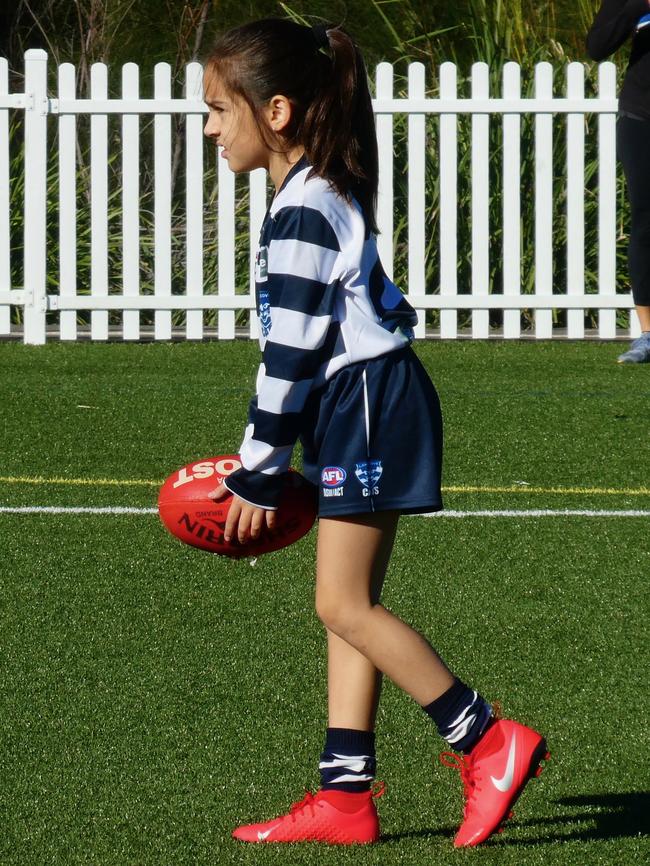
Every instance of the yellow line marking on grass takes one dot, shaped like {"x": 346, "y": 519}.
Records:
{"x": 80, "y": 482}
{"x": 579, "y": 491}
{"x": 453, "y": 488}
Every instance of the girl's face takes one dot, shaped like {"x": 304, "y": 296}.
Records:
{"x": 232, "y": 126}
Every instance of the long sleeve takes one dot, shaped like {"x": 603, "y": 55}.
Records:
{"x": 614, "y": 23}
{"x": 296, "y": 285}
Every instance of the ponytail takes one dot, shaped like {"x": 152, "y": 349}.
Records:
{"x": 321, "y": 70}
{"x": 338, "y": 131}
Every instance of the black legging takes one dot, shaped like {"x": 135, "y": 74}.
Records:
{"x": 633, "y": 141}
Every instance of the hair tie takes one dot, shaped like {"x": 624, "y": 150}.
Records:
{"x": 319, "y": 32}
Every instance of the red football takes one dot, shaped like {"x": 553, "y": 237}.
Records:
{"x": 188, "y": 514}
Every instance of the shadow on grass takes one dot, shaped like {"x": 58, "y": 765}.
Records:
{"x": 424, "y": 833}
{"x": 613, "y": 816}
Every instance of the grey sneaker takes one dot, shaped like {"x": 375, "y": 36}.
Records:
{"x": 639, "y": 351}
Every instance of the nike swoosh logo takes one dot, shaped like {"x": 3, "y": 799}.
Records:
{"x": 505, "y": 782}
{"x": 263, "y": 836}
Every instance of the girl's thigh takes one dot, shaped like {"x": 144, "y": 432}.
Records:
{"x": 353, "y": 555}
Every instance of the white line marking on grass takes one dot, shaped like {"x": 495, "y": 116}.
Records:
{"x": 540, "y": 512}
{"x": 536, "y": 512}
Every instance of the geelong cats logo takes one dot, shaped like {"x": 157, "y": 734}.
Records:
{"x": 369, "y": 474}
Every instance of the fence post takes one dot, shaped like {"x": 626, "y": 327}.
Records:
{"x": 575, "y": 200}
{"x": 417, "y": 242}
{"x": 5, "y": 223}
{"x": 384, "y": 124}
{"x": 448, "y": 197}
{"x": 480, "y": 201}
{"x": 35, "y": 249}
{"x": 511, "y": 201}
{"x": 543, "y": 201}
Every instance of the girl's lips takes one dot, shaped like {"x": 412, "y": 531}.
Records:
{"x": 224, "y": 153}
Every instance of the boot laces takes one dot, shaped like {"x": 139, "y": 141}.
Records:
{"x": 468, "y": 775}
{"x": 466, "y": 765}
{"x": 307, "y": 802}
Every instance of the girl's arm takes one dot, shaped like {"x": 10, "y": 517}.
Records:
{"x": 613, "y": 25}
{"x": 297, "y": 301}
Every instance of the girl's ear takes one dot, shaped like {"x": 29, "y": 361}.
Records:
{"x": 278, "y": 113}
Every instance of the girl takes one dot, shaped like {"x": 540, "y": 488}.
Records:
{"x": 338, "y": 373}
{"x": 615, "y": 22}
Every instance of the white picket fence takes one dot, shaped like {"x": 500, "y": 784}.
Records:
{"x": 46, "y": 312}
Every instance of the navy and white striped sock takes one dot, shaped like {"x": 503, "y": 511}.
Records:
{"x": 461, "y": 715}
{"x": 348, "y": 761}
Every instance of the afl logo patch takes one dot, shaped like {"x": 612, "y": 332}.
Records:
{"x": 333, "y": 476}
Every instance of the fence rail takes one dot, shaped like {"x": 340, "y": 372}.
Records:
{"x": 94, "y": 264}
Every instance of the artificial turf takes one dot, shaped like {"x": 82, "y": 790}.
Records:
{"x": 153, "y": 696}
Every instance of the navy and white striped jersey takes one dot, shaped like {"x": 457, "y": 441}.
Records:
{"x": 323, "y": 302}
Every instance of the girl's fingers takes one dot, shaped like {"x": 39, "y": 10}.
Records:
{"x": 244, "y": 521}
{"x": 244, "y": 527}
{"x": 232, "y": 520}
{"x": 257, "y": 522}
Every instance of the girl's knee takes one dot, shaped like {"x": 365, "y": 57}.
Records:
{"x": 341, "y": 617}
{"x": 328, "y": 611}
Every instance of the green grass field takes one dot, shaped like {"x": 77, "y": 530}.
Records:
{"x": 152, "y": 696}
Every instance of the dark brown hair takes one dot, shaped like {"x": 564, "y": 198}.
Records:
{"x": 321, "y": 71}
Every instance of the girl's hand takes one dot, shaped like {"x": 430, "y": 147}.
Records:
{"x": 245, "y": 521}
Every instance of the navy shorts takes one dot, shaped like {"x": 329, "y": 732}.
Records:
{"x": 372, "y": 438}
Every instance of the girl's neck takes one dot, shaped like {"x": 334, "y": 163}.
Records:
{"x": 280, "y": 164}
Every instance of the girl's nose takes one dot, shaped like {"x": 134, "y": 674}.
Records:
{"x": 211, "y": 128}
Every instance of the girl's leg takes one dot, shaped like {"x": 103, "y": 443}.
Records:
{"x": 351, "y": 562}
{"x": 343, "y": 810}
{"x": 353, "y": 686}
{"x": 643, "y": 312}
{"x": 506, "y": 751}
{"x": 353, "y": 682}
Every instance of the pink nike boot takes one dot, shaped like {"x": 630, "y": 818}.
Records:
{"x": 494, "y": 774}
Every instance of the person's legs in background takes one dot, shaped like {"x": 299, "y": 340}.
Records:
{"x": 633, "y": 149}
